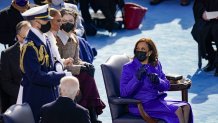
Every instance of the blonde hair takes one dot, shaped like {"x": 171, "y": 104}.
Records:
{"x": 54, "y": 12}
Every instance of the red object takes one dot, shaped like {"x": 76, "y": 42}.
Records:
{"x": 133, "y": 15}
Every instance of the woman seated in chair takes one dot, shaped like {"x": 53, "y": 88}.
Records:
{"x": 143, "y": 79}
{"x": 68, "y": 47}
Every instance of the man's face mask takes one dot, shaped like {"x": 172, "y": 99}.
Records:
{"x": 45, "y": 28}
{"x": 57, "y": 2}
{"x": 140, "y": 55}
{"x": 67, "y": 27}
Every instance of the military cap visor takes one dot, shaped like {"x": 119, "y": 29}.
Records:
{"x": 39, "y": 12}
{"x": 42, "y": 17}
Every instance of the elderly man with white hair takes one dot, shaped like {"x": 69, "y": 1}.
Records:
{"x": 64, "y": 109}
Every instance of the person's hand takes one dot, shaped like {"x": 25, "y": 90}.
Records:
{"x": 141, "y": 72}
{"x": 204, "y": 16}
{"x": 68, "y": 61}
{"x": 91, "y": 69}
{"x": 154, "y": 78}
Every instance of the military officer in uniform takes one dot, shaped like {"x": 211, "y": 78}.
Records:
{"x": 37, "y": 64}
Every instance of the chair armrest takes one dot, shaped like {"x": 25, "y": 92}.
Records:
{"x": 121, "y": 100}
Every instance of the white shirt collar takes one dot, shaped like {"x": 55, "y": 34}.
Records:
{"x": 64, "y": 38}
{"x": 41, "y": 36}
{"x": 21, "y": 44}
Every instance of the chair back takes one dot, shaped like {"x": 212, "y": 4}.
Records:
{"x": 111, "y": 71}
{"x": 18, "y": 113}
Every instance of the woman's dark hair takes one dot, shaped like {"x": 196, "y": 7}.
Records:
{"x": 153, "y": 58}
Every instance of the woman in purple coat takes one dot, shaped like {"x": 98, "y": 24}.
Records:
{"x": 143, "y": 79}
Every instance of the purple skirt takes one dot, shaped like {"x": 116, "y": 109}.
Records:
{"x": 162, "y": 109}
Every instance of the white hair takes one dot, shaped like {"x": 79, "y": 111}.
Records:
{"x": 69, "y": 86}
{"x": 22, "y": 24}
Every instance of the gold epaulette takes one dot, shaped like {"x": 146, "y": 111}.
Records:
{"x": 42, "y": 54}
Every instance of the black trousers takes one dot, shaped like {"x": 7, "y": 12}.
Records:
{"x": 204, "y": 32}
{"x": 215, "y": 38}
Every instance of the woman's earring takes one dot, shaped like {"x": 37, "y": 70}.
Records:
{"x": 149, "y": 55}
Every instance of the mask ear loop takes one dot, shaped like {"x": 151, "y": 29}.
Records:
{"x": 39, "y": 23}
{"x": 149, "y": 53}
{"x": 134, "y": 51}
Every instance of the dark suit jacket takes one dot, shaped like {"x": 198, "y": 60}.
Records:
{"x": 9, "y": 17}
{"x": 11, "y": 75}
{"x": 64, "y": 110}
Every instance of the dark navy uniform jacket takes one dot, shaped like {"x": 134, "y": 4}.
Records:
{"x": 39, "y": 81}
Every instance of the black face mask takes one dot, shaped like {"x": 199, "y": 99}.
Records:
{"x": 140, "y": 55}
{"x": 67, "y": 27}
{"x": 45, "y": 28}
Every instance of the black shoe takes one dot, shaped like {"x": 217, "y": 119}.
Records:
{"x": 93, "y": 116}
{"x": 216, "y": 72}
{"x": 155, "y": 2}
{"x": 209, "y": 67}
{"x": 113, "y": 26}
{"x": 117, "y": 25}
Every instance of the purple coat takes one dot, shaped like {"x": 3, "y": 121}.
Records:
{"x": 152, "y": 96}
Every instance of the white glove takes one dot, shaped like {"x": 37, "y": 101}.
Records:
{"x": 67, "y": 73}
{"x": 59, "y": 67}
